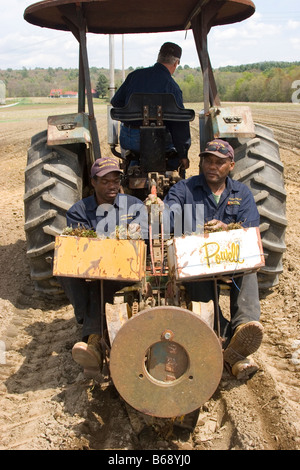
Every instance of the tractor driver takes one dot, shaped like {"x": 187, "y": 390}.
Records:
{"x": 224, "y": 201}
{"x": 157, "y": 79}
{"x": 93, "y": 213}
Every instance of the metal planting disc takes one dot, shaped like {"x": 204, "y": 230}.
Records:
{"x": 166, "y": 362}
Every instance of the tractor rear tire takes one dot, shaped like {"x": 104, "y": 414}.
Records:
{"x": 258, "y": 165}
{"x": 53, "y": 183}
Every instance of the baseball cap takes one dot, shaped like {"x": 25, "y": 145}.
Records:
{"x": 105, "y": 165}
{"x": 220, "y": 148}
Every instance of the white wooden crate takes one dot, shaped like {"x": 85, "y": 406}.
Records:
{"x": 220, "y": 253}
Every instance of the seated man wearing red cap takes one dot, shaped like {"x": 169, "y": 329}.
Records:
{"x": 224, "y": 201}
{"x": 101, "y": 212}
{"x": 156, "y": 79}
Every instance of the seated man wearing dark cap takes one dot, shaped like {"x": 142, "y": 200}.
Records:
{"x": 224, "y": 201}
{"x": 101, "y": 212}
{"x": 156, "y": 79}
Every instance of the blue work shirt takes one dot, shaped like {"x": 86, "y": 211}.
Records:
{"x": 105, "y": 217}
{"x": 190, "y": 203}
{"x": 156, "y": 79}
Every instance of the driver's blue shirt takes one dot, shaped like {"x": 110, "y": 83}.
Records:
{"x": 236, "y": 204}
{"x": 156, "y": 79}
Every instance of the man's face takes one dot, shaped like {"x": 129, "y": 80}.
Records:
{"x": 216, "y": 169}
{"x": 107, "y": 187}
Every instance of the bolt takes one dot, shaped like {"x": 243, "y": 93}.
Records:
{"x": 168, "y": 335}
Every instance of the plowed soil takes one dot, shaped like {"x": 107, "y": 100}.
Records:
{"x": 45, "y": 401}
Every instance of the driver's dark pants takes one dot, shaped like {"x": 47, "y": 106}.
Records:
{"x": 85, "y": 297}
{"x": 244, "y": 301}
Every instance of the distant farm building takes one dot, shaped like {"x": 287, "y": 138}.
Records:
{"x": 69, "y": 94}
{"x": 55, "y": 93}
{"x": 95, "y": 94}
{"x": 2, "y": 92}
{"x": 58, "y": 93}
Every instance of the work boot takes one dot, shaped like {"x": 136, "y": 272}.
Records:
{"x": 89, "y": 355}
{"x": 246, "y": 340}
{"x": 244, "y": 369}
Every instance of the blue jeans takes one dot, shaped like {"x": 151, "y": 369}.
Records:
{"x": 130, "y": 138}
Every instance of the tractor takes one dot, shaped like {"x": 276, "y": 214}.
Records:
{"x": 165, "y": 377}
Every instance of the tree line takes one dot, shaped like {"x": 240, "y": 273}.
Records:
{"x": 264, "y": 82}
{"x": 261, "y": 82}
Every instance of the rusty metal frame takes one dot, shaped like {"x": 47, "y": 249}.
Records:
{"x": 73, "y": 16}
{"x": 210, "y": 93}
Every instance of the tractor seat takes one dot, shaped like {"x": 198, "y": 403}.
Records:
{"x": 146, "y": 108}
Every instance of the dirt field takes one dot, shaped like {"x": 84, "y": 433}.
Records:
{"x": 45, "y": 401}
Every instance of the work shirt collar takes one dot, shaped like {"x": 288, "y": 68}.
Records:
{"x": 119, "y": 203}
{"x": 229, "y": 188}
{"x": 162, "y": 67}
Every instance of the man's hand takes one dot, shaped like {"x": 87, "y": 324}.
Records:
{"x": 215, "y": 226}
{"x": 134, "y": 231}
{"x": 153, "y": 199}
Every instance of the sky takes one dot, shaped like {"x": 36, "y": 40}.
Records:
{"x": 271, "y": 34}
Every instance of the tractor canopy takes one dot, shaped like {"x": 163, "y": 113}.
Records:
{"x": 142, "y": 16}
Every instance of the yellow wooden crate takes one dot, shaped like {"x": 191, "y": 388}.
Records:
{"x": 92, "y": 258}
